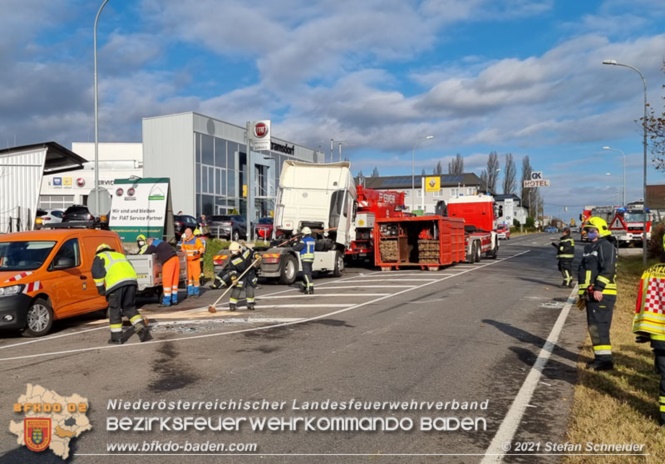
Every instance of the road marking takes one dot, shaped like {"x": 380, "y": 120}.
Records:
{"x": 322, "y": 294}
{"x": 253, "y": 329}
{"x": 53, "y": 337}
{"x": 368, "y": 286}
{"x": 393, "y": 280}
{"x": 503, "y": 439}
{"x": 204, "y": 310}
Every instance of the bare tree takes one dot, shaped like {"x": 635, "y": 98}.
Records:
{"x": 439, "y": 168}
{"x": 528, "y": 197}
{"x": 509, "y": 175}
{"x": 483, "y": 179}
{"x": 375, "y": 172}
{"x": 655, "y": 126}
{"x": 456, "y": 166}
{"x": 492, "y": 171}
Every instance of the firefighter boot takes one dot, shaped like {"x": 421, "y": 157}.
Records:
{"x": 143, "y": 332}
{"x": 601, "y": 365}
{"x": 251, "y": 306}
{"x": 116, "y": 338}
{"x": 232, "y": 307}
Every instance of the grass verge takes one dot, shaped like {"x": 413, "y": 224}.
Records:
{"x": 620, "y": 406}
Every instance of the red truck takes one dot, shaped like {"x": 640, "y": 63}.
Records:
{"x": 372, "y": 205}
{"x": 462, "y": 231}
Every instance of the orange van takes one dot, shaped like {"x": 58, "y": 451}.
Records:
{"x": 46, "y": 275}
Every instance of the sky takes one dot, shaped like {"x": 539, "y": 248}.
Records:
{"x": 523, "y": 77}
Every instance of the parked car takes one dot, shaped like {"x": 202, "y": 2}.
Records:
{"x": 551, "y": 230}
{"x": 80, "y": 216}
{"x": 503, "y": 232}
{"x": 46, "y": 275}
{"x": 48, "y": 216}
{"x": 231, "y": 227}
{"x": 182, "y": 222}
{"x": 263, "y": 228}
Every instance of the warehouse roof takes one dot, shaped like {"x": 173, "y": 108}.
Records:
{"x": 58, "y": 158}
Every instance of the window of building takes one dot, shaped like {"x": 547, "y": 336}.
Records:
{"x": 197, "y": 187}
{"x": 454, "y": 192}
{"x": 220, "y": 153}
{"x": 471, "y": 191}
{"x": 232, "y": 150}
{"x": 207, "y": 149}
{"x": 439, "y": 193}
{"x": 56, "y": 201}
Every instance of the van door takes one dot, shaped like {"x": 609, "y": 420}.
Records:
{"x": 73, "y": 286}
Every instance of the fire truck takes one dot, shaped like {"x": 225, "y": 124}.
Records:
{"x": 462, "y": 230}
{"x": 372, "y": 205}
{"x": 628, "y": 224}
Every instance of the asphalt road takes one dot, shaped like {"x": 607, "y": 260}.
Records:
{"x": 393, "y": 344}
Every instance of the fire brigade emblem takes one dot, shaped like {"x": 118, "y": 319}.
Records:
{"x": 37, "y": 433}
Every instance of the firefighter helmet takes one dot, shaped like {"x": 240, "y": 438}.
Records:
{"x": 306, "y": 230}
{"x": 103, "y": 247}
{"x": 197, "y": 232}
{"x": 234, "y": 246}
{"x": 140, "y": 237}
{"x": 595, "y": 222}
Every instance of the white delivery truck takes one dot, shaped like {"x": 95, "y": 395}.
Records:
{"x": 321, "y": 197}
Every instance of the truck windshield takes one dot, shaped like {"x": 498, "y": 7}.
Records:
{"x": 24, "y": 256}
{"x": 633, "y": 217}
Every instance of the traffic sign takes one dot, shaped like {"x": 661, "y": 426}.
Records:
{"x": 102, "y": 197}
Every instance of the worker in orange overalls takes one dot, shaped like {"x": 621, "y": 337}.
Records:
{"x": 192, "y": 245}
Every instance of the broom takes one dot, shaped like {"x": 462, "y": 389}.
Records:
{"x": 212, "y": 308}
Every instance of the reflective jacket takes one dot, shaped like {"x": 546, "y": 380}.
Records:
{"x": 111, "y": 270}
{"x": 649, "y": 317}
{"x": 598, "y": 267}
{"x": 566, "y": 248}
{"x": 239, "y": 264}
{"x": 306, "y": 248}
{"x": 191, "y": 246}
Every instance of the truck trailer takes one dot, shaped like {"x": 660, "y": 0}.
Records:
{"x": 463, "y": 230}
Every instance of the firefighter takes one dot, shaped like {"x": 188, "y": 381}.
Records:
{"x": 598, "y": 290}
{"x": 170, "y": 262}
{"x": 306, "y": 248}
{"x": 649, "y": 325}
{"x": 115, "y": 277}
{"x": 141, "y": 243}
{"x": 194, "y": 248}
{"x": 197, "y": 233}
{"x": 565, "y": 255}
{"x": 241, "y": 271}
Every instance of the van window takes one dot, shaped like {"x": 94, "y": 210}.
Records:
{"x": 69, "y": 255}
{"x": 24, "y": 256}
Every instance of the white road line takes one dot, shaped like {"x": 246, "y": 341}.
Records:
{"x": 263, "y": 306}
{"x": 368, "y": 286}
{"x": 53, "y": 337}
{"x": 318, "y": 295}
{"x": 253, "y": 329}
{"x": 503, "y": 440}
{"x": 394, "y": 280}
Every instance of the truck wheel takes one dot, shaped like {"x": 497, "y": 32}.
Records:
{"x": 475, "y": 252}
{"x": 235, "y": 235}
{"x": 40, "y": 319}
{"x": 339, "y": 264}
{"x": 288, "y": 270}
{"x": 495, "y": 251}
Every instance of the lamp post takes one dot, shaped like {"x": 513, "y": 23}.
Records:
{"x": 644, "y": 143}
{"x": 94, "y": 40}
{"x": 413, "y": 169}
{"x": 624, "y": 171}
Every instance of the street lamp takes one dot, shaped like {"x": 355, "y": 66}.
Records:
{"x": 624, "y": 171}
{"x": 644, "y": 143}
{"x": 94, "y": 40}
{"x": 413, "y": 169}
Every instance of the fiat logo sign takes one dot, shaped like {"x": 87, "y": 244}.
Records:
{"x": 260, "y": 130}
{"x": 80, "y": 182}
{"x": 119, "y": 192}
{"x": 131, "y": 192}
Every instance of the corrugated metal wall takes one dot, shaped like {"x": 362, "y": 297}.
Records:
{"x": 20, "y": 181}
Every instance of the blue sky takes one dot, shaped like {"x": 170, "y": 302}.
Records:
{"x": 511, "y": 76}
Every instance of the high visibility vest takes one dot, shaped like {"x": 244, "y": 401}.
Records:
{"x": 307, "y": 253}
{"x": 649, "y": 317}
{"x": 119, "y": 271}
{"x": 190, "y": 246}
